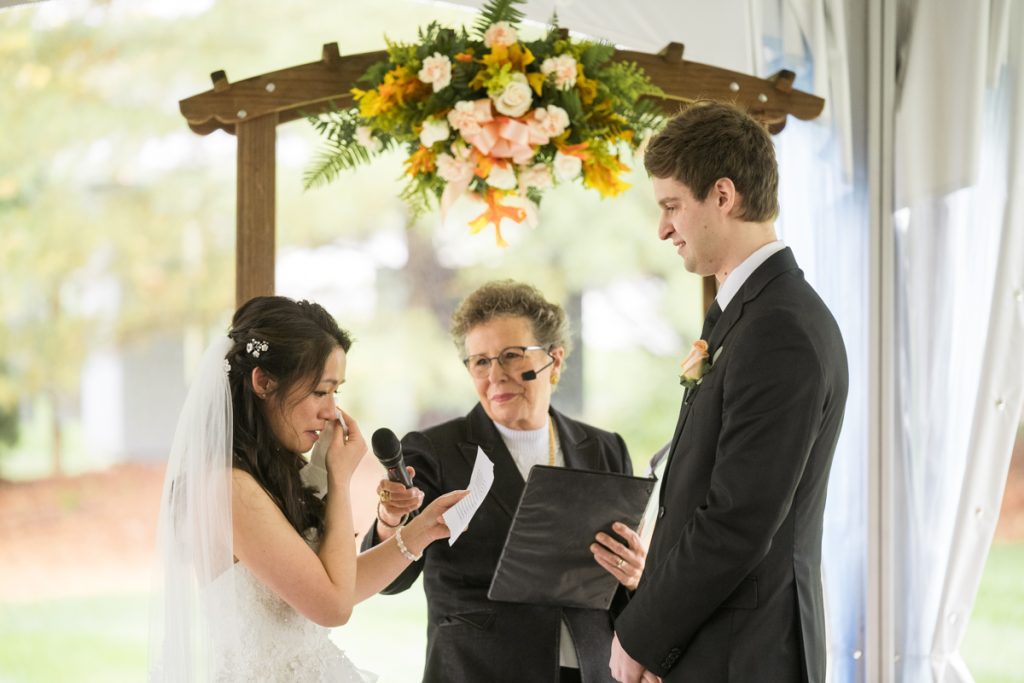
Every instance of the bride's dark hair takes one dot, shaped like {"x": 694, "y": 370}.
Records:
{"x": 299, "y": 336}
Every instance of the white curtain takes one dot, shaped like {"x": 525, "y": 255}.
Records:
{"x": 824, "y": 219}
{"x": 959, "y": 155}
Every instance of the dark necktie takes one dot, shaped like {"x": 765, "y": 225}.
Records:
{"x": 714, "y": 313}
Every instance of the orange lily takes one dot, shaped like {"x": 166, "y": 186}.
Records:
{"x": 420, "y": 161}
{"x": 494, "y": 213}
{"x": 601, "y": 172}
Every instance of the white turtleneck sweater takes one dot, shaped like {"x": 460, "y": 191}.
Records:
{"x": 528, "y": 448}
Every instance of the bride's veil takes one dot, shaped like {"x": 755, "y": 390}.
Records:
{"x": 194, "y": 616}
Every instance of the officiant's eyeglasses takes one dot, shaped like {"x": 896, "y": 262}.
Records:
{"x": 512, "y": 358}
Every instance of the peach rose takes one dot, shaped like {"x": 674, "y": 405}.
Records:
{"x": 467, "y": 116}
{"x": 454, "y": 170}
{"x": 562, "y": 69}
{"x": 500, "y": 33}
{"x": 436, "y": 71}
{"x": 550, "y": 121}
{"x": 538, "y": 176}
{"x": 693, "y": 365}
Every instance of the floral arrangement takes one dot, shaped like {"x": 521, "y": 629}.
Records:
{"x": 494, "y": 117}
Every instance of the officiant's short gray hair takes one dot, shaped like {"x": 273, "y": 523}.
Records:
{"x": 508, "y": 298}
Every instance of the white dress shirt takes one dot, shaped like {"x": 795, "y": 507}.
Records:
{"x": 727, "y": 290}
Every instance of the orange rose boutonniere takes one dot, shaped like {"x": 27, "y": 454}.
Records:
{"x": 694, "y": 365}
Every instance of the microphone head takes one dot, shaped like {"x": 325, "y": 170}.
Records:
{"x": 386, "y": 447}
{"x": 529, "y": 375}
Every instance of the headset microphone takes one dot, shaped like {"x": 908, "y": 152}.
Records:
{"x": 531, "y": 375}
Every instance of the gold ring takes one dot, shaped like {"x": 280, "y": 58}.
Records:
{"x": 620, "y": 564}
{"x": 384, "y": 495}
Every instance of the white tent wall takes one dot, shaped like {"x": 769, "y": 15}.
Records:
{"x": 824, "y": 218}
{"x": 959, "y": 236}
{"x": 923, "y": 110}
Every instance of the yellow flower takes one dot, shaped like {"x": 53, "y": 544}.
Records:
{"x": 420, "y": 161}
{"x": 601, "y": 172}
{"x": 399, "y": 87}
{"x": 586, "y": 86}
{"x": 499, "y": 65}
{"x": 516, "y": 56}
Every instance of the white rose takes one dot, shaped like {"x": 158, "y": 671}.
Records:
{"x": 502, "y": 177}
{"x": 434, "y": 131}
{"x": 551, "y": 121}
{"x": 451, "y": 169}
{"x": 516, "y": 98}
{"x": 364, "y": 136}
{"x": 562, "y": 68}
{"x": 500, "y": 33}
{"x": 538, "y": 176}
{"x": 437, "y": 71}
{"x": 567, "y": 167}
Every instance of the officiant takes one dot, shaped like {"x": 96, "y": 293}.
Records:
{"x": 514, "y": 345}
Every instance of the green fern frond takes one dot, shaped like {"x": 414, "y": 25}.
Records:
{"x": 417, "y": 197}
{"x": 498, "y": 10}
{"x": 594, "y": 55}
{"x": 341, "y": 153}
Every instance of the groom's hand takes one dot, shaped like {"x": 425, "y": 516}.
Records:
{"x": 625, "y": 669}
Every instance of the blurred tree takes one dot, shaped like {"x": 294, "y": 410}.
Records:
{"x": 117, "y": 222}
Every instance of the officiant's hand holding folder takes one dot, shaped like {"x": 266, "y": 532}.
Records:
{"x": 547, "y": 558}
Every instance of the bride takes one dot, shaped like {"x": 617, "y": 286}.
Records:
{"x": 256, "y": 563}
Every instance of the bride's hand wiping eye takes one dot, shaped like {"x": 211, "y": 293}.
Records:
{"x": 347, "y": 447}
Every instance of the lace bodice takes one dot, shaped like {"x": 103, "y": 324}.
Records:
{"x": 276, "y": 643}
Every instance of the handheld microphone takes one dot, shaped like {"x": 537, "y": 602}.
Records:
{"x": 388, "y": 450}
{"x": 531, "y": 375}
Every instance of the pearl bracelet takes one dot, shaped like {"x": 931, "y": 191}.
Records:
{"x": 402, "y": 547}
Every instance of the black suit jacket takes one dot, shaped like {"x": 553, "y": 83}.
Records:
{"x": 469, "y": 637}
{"x": 732, "y": 587}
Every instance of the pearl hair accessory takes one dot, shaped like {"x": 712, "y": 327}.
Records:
{"x": 254, "y": 347}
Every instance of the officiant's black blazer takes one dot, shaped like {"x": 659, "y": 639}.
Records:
{"x": 732, "y": 586}
{"x": 469, "y": 637}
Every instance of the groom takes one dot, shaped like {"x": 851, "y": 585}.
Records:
{"x": 732, "y": 589}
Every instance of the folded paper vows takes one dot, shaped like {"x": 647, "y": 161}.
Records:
{"x": 458, "y": 516}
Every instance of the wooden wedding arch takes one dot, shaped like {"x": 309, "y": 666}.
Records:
{"x": 252, "y": 109}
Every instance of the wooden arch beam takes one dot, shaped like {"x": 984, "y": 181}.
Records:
{"x": 253, "y": 108}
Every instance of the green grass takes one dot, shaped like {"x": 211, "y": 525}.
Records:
{"x": 104, "y": 638}
{"x": 994, "y": 644}
{"x": 101, "y": 639}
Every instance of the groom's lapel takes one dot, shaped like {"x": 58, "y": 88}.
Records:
{"x": 776, "y": 264}
{"x": 508, "y": 482}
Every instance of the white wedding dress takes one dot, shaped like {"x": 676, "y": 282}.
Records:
{"x": 276, "y": 643}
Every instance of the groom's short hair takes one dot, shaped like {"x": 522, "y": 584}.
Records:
{"x": 710, "y": 140}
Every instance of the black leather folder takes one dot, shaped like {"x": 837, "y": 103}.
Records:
{"x": 546, "y": 559}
